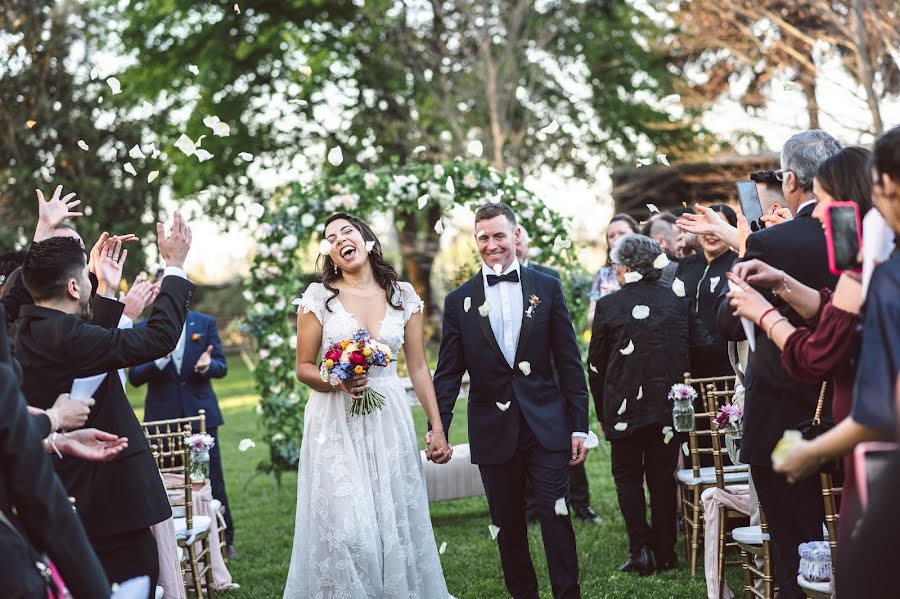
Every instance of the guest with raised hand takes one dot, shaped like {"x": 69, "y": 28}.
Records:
{"x": 55, "y": 345}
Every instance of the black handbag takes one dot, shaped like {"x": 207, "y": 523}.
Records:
{"x": 39, "y": 573}
{"x": 810, "y": 429}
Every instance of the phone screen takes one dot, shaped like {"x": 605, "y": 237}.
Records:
{"x": 750, "y": 206}
{"x": 844, "y": 237}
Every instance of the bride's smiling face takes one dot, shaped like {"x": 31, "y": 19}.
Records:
{"x": 348, "y": 248}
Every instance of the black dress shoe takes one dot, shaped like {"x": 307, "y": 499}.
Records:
{"x": 588, "y": 515}
{"x": 641, "y": 562}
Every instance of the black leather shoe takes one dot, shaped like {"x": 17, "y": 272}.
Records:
{"x": 641, "y": 562}
{"x": 588, "y": 515}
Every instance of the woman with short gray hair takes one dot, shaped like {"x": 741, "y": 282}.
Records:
{"x": 641, "y": 342}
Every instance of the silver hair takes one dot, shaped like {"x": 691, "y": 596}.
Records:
{"x": 637, "y": 253}
{"x": 524, "y": 233}
{"x": 804, "y": 152}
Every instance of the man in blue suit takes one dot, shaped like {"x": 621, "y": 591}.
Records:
{"x": 178, "y": 386}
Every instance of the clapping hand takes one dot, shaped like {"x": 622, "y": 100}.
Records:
{"x": 142, "y": 294}
{"x": 174, "y": 249}
{"x": 91, "y": 444}
{"x": 53, "y": 212}
{"x": 438, "y": 451}
{"x": 109, "y": 265}
{"x": 205, "y": 360}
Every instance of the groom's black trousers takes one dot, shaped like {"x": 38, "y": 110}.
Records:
{"x": 548, "y": 474}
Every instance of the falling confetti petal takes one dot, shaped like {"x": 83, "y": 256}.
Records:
{"x": 193, "y": 69}
{"x": 237, "y": 9}
{"x": 560, "y": 507}
{"x": 256, "y": 210}
{"x": 713, "y": 282}
{"x": 246, "y": 444}
{"x": 640, "y": 312}
{"x": 475, "y": 148}
{"x": 370, "y": 245}
{"x": 219, "y": 128}
{"x": 494, "y": 530}
{"x": 247, "y": 156}
{"x": 666, "y": 429}
{"x": 550, "y": 129}
{"x": 629, "y": 349}
{"x": 684, "y": 449}
{"x": 202, "y": 155}
{"x": 494, "y": 199}
{"x": 467, "y": 304}
{"x": 667, "y": 436}
{"x": 640, "y": 392}
{"x": 418, "y": 149}
{"x": 450, "y": 187}
{"x": 484, "y": 309}
{"x": 30, "y": 123}
{"x": 443, "y": 548}
{"x": 129, "y": 168}
{"x": 135, "y": 152}
{"x": 153, "y": 151}
{"x": 324, "y": 247}
{"x": 622, "y": 407}
{"x": 621, "y": 426}
{"x": 592, "y": 440}
{"x": 335, "y": 156}
{"x": 299, "y": 102}
{"x": 422, "y": 201}
{"x": 594, "y": 368}
{"x": 652, "y": 208}
{"x": 114, "y": 84}
{"x": 633, "y": 277}
{"x": 525, "y": 367}
{"x": 151, "y": 176}
{"x": 678, "y": 287}
{"x": 83, "y": 145}
{"x": 662, "y": 158}
{"x": 503, "y": 406}
{"x": 661, "y": 261}
{"x": 96, "y": 72}
{"x": 186, "y": 145}
{"x": 439, "y": 227}
{"x": 560, "y": 244}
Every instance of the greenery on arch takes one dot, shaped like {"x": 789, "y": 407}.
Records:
{"x": 296, "y": 220}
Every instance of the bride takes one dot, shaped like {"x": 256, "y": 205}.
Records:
{"x": 363, "y": 529}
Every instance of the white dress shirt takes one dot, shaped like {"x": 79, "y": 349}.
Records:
{"x": 506, "y": 312}
{"x": 804, "y": 205}
{"x": 177, "y": 354}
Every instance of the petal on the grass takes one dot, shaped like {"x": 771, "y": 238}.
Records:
{"x": 335, "y": 156}
{"x": 467, "y": 303}
{"x": 629, "y": 349}
{"x": 443, "y": 548}
{"x": 525, "y": 367}
{"x": 640, "y": 312}
{"x": 246, "y": 444}
{"x": 494, "y": 530}
{"x": 622, "y": 407}
{"x": 560, "y": 507}
{"x": 503, "y": 406}
{"x": 621, "y": 426}
{"x": 633, "y": 277}
{"x": 678, "y": 287}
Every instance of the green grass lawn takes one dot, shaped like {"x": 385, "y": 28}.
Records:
{"x": 264, "y": 521}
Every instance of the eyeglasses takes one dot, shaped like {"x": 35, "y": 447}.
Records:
{"x": 779, "y": 175}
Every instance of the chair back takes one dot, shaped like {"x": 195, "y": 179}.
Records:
{"x": 705, "y": 415}
{"x": 716, "y": 398}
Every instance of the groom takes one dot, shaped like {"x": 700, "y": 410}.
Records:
{"x": 499, "y": 326}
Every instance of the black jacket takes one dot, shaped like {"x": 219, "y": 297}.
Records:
{"x": 773, "y": 401}
{"x": 54, "y": 348}
{"x": 703, "y": 282}
{"x": 44, "y": 515}
{"x": 553, "y": 410}
{"x": 547, "y": 270}
{"x": 665, "y": 343}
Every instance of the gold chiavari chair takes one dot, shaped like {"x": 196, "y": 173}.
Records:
{"x": 754, "y": 542}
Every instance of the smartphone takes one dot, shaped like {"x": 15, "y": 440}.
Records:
{"x": 843, "y": 236}
{"x": 872, "y": 459}
{"x": 750, "y": 206}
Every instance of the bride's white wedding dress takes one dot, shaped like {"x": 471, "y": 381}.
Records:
{"x": 363, "y": 530}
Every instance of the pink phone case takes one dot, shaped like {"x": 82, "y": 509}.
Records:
{"x": 829, "y": 236}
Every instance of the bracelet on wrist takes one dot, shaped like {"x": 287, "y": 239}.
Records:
{"x": 778, "y": 320}
{"x": 52, "y": 442}
{"x": 764, "y": 314}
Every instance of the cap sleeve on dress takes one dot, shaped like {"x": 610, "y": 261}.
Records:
{"x": 410, "y": 301}
{"x": 312, "y": 300}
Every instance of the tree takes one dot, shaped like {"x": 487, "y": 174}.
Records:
{"x": 47, "y": 108}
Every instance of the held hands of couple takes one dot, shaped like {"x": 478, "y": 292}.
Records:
{"x": 438, "y": 450}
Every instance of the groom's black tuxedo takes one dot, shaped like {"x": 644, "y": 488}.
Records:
{"x": 532, "y": 436}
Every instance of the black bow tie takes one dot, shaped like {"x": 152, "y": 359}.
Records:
{"x": 511, "y": 277}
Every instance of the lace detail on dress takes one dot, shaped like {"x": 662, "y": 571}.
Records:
{"x": 410, "y": 301}
{"x": 312, "y": 300}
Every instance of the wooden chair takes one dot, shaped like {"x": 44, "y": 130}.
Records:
{"x": 173, "y": 456}
{"x": 831, "y": 496}
{"x": 754, "y": 542}
{"x": 697, "y": 478}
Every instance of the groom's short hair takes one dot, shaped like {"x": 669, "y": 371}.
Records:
{"x": 493, "y": 210}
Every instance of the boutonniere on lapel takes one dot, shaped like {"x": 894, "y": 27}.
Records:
{"x": 533, "y": 303}
{"x": 195, "y": 337}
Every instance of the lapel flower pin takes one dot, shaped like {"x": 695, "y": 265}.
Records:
{"x": 533, "y": 302}
{"x": 195, "y": 337}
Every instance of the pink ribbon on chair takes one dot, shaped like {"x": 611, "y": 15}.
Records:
{"x": 170, "y": 578}
{"x": 734, "y": 498}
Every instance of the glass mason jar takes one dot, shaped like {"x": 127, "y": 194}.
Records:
{"x": 683, "y": 415}
{"x": 199, "y": 466}
{"x": 733, "y": 445}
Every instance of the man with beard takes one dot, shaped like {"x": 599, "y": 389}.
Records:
{"x": 118, "y": 501}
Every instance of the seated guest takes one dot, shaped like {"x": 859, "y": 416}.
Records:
{"x": 120, "y": 500}
{"x": 641, "y": 344}
{"x": 703, "y": 277}
{"x": 605, "y": 281}
{"x": 179, "y": 385}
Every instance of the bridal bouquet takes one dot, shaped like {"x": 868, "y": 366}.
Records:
{"x": 350, "y": 357}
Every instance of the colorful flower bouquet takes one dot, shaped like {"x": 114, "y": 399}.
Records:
{"x": 350, "y": 357}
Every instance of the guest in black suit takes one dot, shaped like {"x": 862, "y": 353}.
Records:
{"x": 498, "y": 326}
{"x": 579, "y": 491}
{"x": 180, "y": 385}
{"x": 773, "y": 401}
{"x": 118, "y": 502}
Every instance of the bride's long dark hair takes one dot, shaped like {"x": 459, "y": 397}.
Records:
{"x": 384, "y": 273}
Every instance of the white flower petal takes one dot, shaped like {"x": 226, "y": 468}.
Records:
{"x": 550, "y": 129}
{"x": 246, "y": 156}
{"x": 236, "y": 8}
{"x": 96, "y": 72}
{"x": 418, "y": 149}
{"x": 629, "y": 349}
{"x": 525, "y": 367}
{"x": 678, "y": 287}
{"x": 622, "y": 407}
{"x": 129, "y": 168}
{"x": 593, "y": 368}
{"x": 439, "y": 227}
{"x": 151, "y": 176}
{"x": 246, "y": 444}
{"x": 450, "y": 186}
{"x": 495, "y": 199}
{"x": 662, "y": 158}
{"x": 202, "y": 155}
{"x": 475, "y": 148}
{"x": 370, "y": 245}
{"x": 666, "y": 429}
{"x": 256, "y": 210}
{"x": 713, "y": 282}
{"x": 199, "y": 140}
{"x": 192, "y": 68}
{"x": 503, "y": 406}
{"x": 560, "y": 507}
{"x": 186, "y": 145}
{"x": 661, "y": 261}
{"x": 667, "y": 436}
{"x": 147, "y": 109}
{"x": 633, "y": 277}
{"x": 296, "y": 102}
{"x": 640, "y": 392}
{"x": 484, "y": 309}
{"x": 467, "y": 303}
{"x": 423, "y": 199}
{"x": 494, "y": 530}
{"x": 684, "y": 449}
{"x": 83, "y": 145}
{"x": 324, "y": 247}
{"x": 335, "y": 156}
{"x": 652, "y": 208}
{"x": 114, "y": 84}
{"x": 621, "y": 426}
{"x": 592, "y": 440}
{"x": 498, "y": 269}
{"x": 154, "y": 152}
{"x": 443, "y": 548}
{"x": 560, "y": 244}
{"x": 640, "y": 312}
{"x": 135, "y": 152}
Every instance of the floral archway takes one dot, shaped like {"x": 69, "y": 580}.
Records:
{"x": 419, "y": 198}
